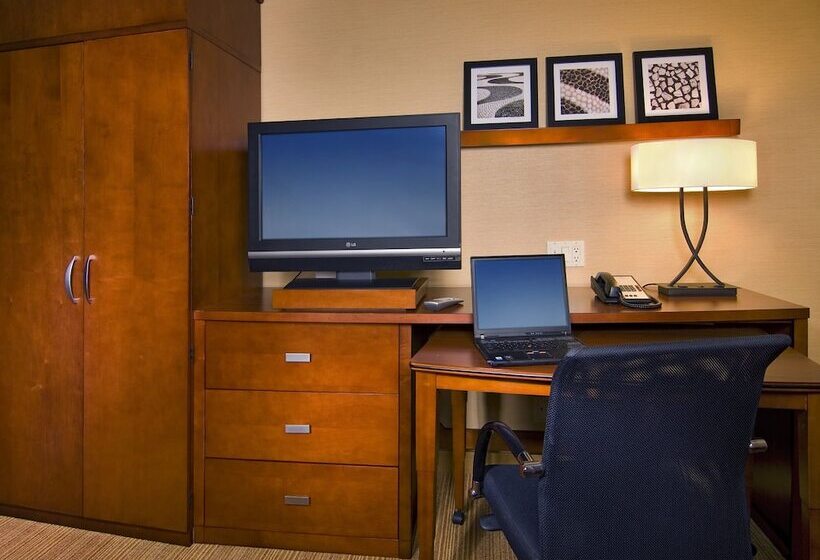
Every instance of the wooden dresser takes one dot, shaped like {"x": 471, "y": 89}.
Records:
{"x": 304, "y": 439}
{"x": 303, "y": 426}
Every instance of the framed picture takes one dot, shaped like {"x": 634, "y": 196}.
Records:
{"x": 501, "y": 94}
{"x": 675, "y": 85}
{"x": 584, "y": 90}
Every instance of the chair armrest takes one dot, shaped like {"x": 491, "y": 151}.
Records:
{"x": 758, "y": 445}
{"x": 531, "y": 468}
{"x": 526, "y": 465}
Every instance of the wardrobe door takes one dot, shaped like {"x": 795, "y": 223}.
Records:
{"x": 41, "y": 329}
{"x": 137, "y": 320}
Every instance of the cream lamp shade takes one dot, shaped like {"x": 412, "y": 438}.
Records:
{"x": 720, "y": 164}
{"x": 695, "y": 164}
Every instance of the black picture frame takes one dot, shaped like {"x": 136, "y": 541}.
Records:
{"x": 585, "y": 90}
{"x": 488, "y": 84}
{"x": 689, "y": 65}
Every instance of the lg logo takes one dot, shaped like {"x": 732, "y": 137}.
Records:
{"x": 350, "y": 244}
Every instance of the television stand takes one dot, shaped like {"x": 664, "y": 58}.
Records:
{"x": 357, "y": 291}
{"x": 350, "y": 281}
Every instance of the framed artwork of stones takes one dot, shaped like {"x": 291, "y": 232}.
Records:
{"x": 501, "y": 94}
{"x": 585, "y": 90}
{"x": 675, "y": 85}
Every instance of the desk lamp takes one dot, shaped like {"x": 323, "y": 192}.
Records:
{"x": 702, "y": 164}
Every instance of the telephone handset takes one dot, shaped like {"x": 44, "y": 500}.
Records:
{"x": 621, "y": 289}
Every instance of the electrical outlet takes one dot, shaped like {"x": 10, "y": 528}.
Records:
{"x": 573, "y": 251}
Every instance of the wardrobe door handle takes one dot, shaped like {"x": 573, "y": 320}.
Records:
{"x": 68, "y": 280}
{"x": 87, "y": 278}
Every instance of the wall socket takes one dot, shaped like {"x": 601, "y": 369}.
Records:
{"x": 573, "y": 251}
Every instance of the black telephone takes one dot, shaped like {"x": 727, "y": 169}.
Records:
{"x": 621, "y": 289}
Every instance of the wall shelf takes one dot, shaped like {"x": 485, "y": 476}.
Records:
{"x": 602, "y": 133}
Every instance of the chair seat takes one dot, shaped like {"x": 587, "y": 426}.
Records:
{"x": 514, "y": 501}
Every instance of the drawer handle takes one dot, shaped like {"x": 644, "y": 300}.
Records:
{"x": 297, "y": 357}
{"x": 297, "y": 428}
{"x": 297, "y": 500}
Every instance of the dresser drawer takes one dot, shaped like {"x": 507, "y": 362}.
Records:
{"x": 302, "y": 357}
{"x": 302, "y": 498}
{"x": 347, "y": 428}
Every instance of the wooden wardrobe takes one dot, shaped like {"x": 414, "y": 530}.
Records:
{"x": 123, "y": 206}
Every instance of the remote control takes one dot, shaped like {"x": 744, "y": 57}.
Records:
{"x": 437, "y": 304}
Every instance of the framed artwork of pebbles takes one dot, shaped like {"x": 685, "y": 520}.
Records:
{"x": 501, "y": 94}
{"x": 675, "y": 85}
{"x": 585, "y": 90}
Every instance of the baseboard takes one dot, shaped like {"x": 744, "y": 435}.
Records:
{"x": 133, "y": 531}
{"x": 299, "y": 541}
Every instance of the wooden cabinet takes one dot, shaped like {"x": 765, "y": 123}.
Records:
{"x": 113, "y": 150}
{"x": 302, "y": 436}
{"x": 233, "y": 26}
{"x": 302, "y": 357}
{"x": 136, "y": 333}
{"x": 340, "y": 501}
{"x": 41, "y": 230}
{"x": 307, "y": 427}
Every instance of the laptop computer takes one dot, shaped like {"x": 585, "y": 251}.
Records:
{"x": 521, "y": 309}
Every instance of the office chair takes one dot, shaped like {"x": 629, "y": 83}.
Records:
{"x": 644, "y": 455}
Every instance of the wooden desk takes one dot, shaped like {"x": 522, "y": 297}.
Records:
{"x": 449, "y": 361}
{"x": 239, "y": 367}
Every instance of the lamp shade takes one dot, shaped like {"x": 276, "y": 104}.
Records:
{"x": 721, "y": 164}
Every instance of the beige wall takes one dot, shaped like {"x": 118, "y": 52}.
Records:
{"x": 335, "y": 58}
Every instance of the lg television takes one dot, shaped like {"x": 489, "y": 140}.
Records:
{"x": 355, "y": 196}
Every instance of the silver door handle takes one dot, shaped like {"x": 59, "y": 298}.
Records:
{"x": 87, "y": 278}
{"x": 68, "y": 280}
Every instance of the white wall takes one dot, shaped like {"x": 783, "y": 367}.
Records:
{"x": 369, "y": 57}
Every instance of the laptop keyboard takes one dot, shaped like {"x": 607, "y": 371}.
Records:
{"x": 534, "y": 347}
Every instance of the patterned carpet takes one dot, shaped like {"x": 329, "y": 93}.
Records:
{"x": 28, "y": 540}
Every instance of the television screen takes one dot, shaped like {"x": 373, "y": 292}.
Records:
{"x": 383, "y": 182}
{"x": 359, "y": 194}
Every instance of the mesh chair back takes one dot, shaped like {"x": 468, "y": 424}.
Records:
{"x": 645, "y": 450}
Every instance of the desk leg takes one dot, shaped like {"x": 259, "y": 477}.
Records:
{"x": 807, "y": 534}
{"x": 426, "y": 446}
{"x": 800, "y": 337}
{"x": 458, "y": 404}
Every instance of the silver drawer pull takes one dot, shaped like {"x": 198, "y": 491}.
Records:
{"x": 297, "y": 428}
{"x": 297, "y": 357}
{"x": 297, "y": 500}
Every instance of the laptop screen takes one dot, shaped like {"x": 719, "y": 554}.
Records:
{"x": 520, "y": 294}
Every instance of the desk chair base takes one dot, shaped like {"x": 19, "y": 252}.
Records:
{"x": 489, "y": 522}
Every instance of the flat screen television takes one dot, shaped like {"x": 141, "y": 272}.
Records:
{"x": 354, "y": 196}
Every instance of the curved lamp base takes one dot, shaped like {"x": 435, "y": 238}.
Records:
{"x": 678, "y": 289}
